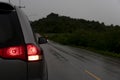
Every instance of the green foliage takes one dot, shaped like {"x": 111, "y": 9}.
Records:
{"x": 80, "y": 32}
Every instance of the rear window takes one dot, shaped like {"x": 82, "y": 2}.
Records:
{"x": 10, "y": 31}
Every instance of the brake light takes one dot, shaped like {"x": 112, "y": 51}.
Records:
{"x": 14, "y": 52}
{"x": 28, "y": 53}
{"x": 33, "y": 52}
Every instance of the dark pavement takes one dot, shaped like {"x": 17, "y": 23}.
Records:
{"x": 68, "y": 63}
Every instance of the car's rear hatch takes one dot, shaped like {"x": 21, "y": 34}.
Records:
{"x": 11, "y": 39}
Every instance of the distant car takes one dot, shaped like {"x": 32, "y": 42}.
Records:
{"x": 21, "y": 57}
{"x": 41, "y": 39}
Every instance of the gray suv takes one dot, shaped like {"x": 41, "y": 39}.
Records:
{"x": 21, "y": 57}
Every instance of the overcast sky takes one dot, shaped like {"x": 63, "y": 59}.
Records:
{"x": 107, "y": 11}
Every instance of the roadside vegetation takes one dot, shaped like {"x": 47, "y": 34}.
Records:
{"x": 92, "y": 35}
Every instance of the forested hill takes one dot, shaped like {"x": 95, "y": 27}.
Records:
{"x": 80, "y": 32}
{"x": 55, "y": 23}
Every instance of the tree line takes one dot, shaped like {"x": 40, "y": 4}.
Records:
{"x": 79, "y": 32}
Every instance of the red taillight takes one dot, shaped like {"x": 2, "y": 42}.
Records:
{"x": 28, "y": 53}
{"x": 14, "y": 52}
{"x": 34, "y": 54}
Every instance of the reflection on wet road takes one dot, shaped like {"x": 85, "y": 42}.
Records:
{"x": 68, "y": 63}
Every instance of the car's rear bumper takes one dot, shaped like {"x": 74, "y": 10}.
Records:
{"x": 21, "y": 70}
{"x": 37, "y": 70}
{"x": 13, "y": 70}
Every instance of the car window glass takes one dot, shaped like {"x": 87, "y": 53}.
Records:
{"x": 10, "y": 29}
{"x": 6, "y": 29}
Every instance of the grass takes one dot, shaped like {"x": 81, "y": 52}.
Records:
{"x": 105, "y": 53}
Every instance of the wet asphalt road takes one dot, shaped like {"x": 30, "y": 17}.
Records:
{"x": 68, "y": 63}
